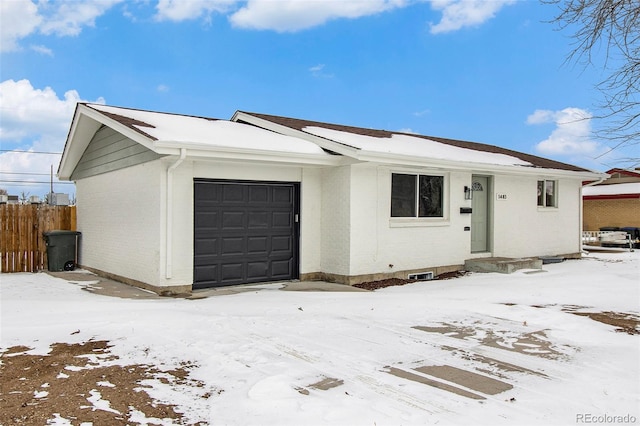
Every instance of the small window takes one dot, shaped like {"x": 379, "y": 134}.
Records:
{"x": 547, "y": 193}
{"x": 417, "y": 195}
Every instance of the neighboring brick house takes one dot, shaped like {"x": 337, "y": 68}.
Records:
{"x": 614, "y": 202}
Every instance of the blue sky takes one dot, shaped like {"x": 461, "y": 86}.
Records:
{"x": 487, "y": 71}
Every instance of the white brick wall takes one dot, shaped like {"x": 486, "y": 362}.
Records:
{"x": 336, "y": 205}
{"x": 119, "y": 217}
{"x": 379, "y": 241}
{"x": 311, "y": 219}
{"x": 521, "y": 228}
{"x": 517, "y": 227}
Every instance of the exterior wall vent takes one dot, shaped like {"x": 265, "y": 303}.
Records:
{"x": 421, "y": 276}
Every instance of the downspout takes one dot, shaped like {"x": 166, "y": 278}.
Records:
{"x": 169, "y": 230}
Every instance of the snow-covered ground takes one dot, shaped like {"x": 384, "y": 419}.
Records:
{"x": 481, "y": 349}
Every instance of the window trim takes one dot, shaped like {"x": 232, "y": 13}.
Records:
{"x": 400, "y": 221}
{"x": 544, "y": 205}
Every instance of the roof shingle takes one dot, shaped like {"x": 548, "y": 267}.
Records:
{"x": 299, "y": 124}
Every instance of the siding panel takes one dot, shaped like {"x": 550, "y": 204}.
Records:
{"x": 109, "y": 151}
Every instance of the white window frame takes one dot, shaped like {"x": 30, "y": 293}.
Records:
{"x": 395, "y": 221}
{"x": 544, "y": 204}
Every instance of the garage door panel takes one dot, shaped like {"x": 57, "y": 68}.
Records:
{"x": 281, "y": 244}
{"x": 258, "y": 194}
{"x": 207, "y": 260}
{"x": 280, "y": 269}
{"x": 233, "y": 220}
{"x": 258, "y": 219}
{"x": 281, "y": 219}
{"x": 231, "y": 271}
{"x": 283, "y": 195}
{"x": 244, "y": 232}
{"x": 258, "y": 245}
{"x": 207, "y": 193}
{"x": 207, "y": 220}
{"x": 258, "y": 269}
{"x": 233, "y": 193}
{"x": 207, "y": 273}
{"x": 232, "y": 246}
{"x": 208, "y": 246}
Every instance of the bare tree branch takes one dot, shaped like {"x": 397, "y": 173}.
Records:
{"x": 612, "y": 25}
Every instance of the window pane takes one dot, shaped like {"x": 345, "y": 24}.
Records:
{"x": 403, "y": 195}
{"x": 541, "y": 193}
{"x": 431, "y": 196}
{"x": 550, "y": 193}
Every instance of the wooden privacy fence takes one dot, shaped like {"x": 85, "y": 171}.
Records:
{"x": 22, "y": 245}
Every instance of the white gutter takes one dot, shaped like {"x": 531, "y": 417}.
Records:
{"x": 169, "y": 253}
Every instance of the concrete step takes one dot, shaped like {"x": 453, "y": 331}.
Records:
{"x": 503, "y": 265}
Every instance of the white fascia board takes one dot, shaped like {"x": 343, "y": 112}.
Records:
{"x": 85, "y": 123}
{"x": 402, "y": 160}
{"x": 324, "y": 143}
{"x": 119, "y": 127}
{"x": 218, "y": 152}
{"x": 71, "y": 155}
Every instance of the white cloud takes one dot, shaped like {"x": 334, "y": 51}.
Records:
{"x": 41, "y": 49}
{"x": 181, "y": 10}
{"x": 296, "y": 15}
{"x": 33, "y": 120}
{"x": 572, "y": 134}
{"x": 318, "y": 71}
{"x": 20, "y": 18}
{"x": 27, "y": 111}
{"x": 68, "y": 17}
{"x": 541, "y": 116}
{"x": 458, "y": 14}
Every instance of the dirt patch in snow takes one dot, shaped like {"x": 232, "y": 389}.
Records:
{"x": 390, "y": 282}
{"x": 83, "y": 383}
{"x": 624, "y": 323}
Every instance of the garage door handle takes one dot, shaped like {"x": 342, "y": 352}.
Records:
{"x": 296, "y": 218}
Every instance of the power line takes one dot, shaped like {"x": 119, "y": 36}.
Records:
{"x": 30, "y": 152}
{"x": 24, "y": 182}
{"x": 24, "y": 173}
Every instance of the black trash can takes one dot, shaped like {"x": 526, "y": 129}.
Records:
{"x": 62, "y": 250}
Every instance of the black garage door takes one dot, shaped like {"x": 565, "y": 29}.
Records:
{"x": 244, "y": 232}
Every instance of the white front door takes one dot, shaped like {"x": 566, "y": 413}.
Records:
{"x": 479, "y": 214}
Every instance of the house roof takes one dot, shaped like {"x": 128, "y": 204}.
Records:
{"x": 390, "y": 142}
{"x": 617, "y": 190}
{"x": 624, "y": 172}
{"x": 202, "y": 131}
{"x": 270, "y": 138}
{"x": 167, "y": 133}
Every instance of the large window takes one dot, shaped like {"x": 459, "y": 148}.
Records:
{"x": 547, "y": 193}
{"x": 417, "y": 195}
